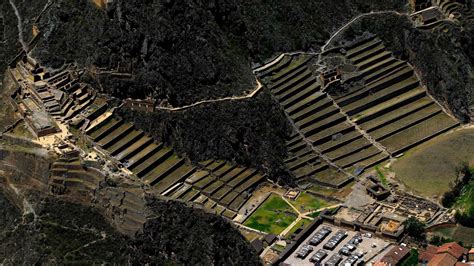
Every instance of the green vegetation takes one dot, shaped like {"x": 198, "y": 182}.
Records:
{"x": 381, "y": 175}
{"x": 303, "y": 223}
{"x": 463, "y": 176}
{"x": 273, "y": 216}
{"x": 461, "y": 195}
{"x": 308, "y": 202}
{"x": 326, "y": 191}
{"x": 429, "y": 168}
{"x": 412, "y": 259}
{"x": 438, "y": 240}
{"x": 314, "y": 214}
{"x": 278, "y": 248}
{"x": 465, "y": 206}
{"x": 415, "y": 228}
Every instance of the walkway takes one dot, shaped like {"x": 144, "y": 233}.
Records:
{"x": 301, "y": 215}
{"x": 231, "y": 98}
{"x": 274, "y": 62}
{"x": 19, "y": 26}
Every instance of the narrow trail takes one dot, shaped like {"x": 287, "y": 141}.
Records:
{"x": 274, "y": 62}
{"x": 231, "y": 98}
{"x": 20, "y": 26}
{"x": 328, "y": 42}
{"x": 27, "y": 207}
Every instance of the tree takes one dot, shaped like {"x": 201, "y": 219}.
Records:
{"x": 415, "y": 228}
{"x": 463, "y": 177}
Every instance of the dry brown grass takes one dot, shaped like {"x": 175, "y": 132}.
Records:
{"x": 429, "y": 168}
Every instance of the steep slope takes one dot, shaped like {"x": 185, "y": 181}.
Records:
{"x": 443, "y": 56}
{"x": 39, "y": 227}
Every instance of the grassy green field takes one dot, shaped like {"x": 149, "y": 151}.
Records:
{"x": 456, "y": 233}
{"x": 429, "y": 168}
{"x": 327, "y": 191}
{"x": 273, "y": 216}
{"x": 308, "y": 202}
{"x": 302, "y": 223}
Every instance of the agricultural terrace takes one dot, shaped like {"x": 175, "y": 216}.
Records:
{"x": 273, "y": 216}
{"x": 216, "y": 185}
{"x": 429, "y": 168}
{"x": 383, "y": 111}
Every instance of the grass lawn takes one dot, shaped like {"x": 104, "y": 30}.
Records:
{"x": 327, "y": 191}
{"x": 429, "y": 168}
{"x": 249, "y": 235}
{"x": 381, "y": 175}
{"x": 273, "y": 216}
{"x": 457, "y": 233}
{"x": 302, "y": 223}
{"x": 307, "y": 202}
{"x": 278, "y": 248}
{"x": 314, "y": 214}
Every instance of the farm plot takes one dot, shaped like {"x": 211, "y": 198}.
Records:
{"x": 386, "y": 101}
{"x": 420, "y": 132}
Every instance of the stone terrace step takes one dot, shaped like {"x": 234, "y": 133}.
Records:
{"x": 165, "y": 182}
{"x": 126, "y": 141}
{"x": 116, "y": 135}
{"x": 146, "y": 166}
{"x": 135, "y": 148}
{"x": 163, "y": 169}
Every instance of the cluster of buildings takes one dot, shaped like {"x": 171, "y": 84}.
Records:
{"x": 447, "y": 254}
{"x": 430, "y": 12}
{"x": 33, "y": 102}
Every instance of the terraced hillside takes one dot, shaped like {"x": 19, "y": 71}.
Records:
{"x": 382, "y": 111}
{"x": 216, "y": 185}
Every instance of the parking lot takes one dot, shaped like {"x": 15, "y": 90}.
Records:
{"x": 332, "y": 245}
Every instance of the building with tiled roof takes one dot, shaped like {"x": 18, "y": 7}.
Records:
{"x": 446, "y": 255}
{"x": 395, "y": 255}
{"x": 471, "y": 254}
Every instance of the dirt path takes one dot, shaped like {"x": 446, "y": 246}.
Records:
{"x": 334, "y": 35}
{"x": 231, "y": 98}
{"x": 19, "y": 25}
{"x": 27, "y": 207}
{"x": 274, "y": 62}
